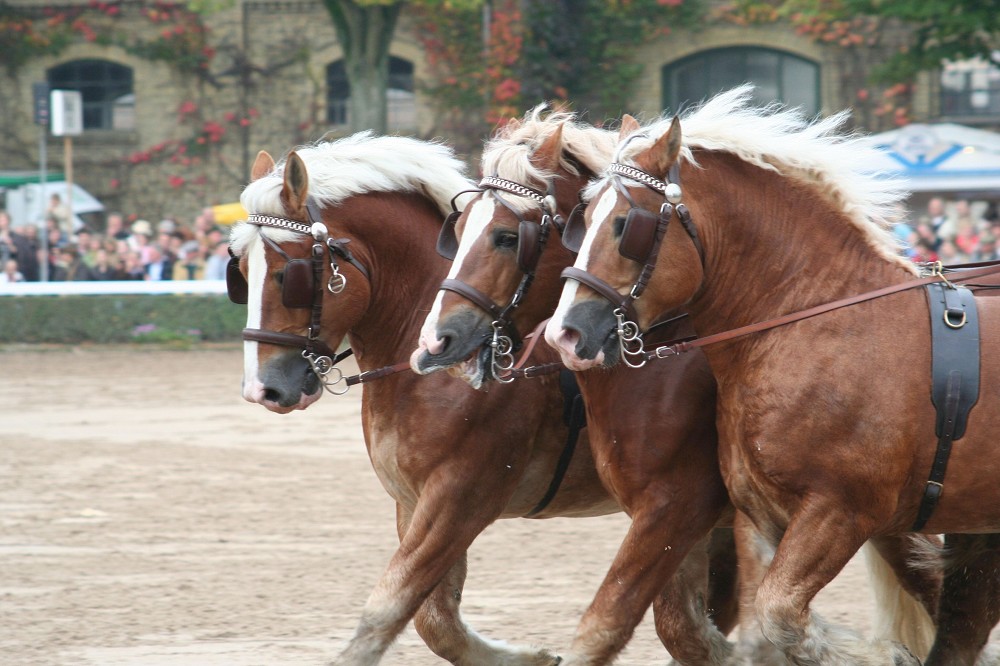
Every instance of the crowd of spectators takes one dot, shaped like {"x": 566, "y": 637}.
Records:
{"x": 955, "y": 234}
{"x": 138, "y": 250}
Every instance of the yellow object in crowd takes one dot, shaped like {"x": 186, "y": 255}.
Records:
{"x": 228, "y": 213}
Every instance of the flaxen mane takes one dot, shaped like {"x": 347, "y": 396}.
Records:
{"x": 359, "y": 164}
{"x": 506, "y": 155}
{"x": 786, "y": 141}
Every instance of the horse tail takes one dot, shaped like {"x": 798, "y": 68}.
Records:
{"x": 900, "y": 616}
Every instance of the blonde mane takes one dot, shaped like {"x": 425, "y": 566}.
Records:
{"x": 507, "y": 154}
{"x": 354, "y": 165}
{"x": 785, "y": 141}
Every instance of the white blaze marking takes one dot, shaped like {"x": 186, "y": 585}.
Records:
{"x": 257, "y": 271}
{"x": 475, "y": 225}
{"x": 601, "y": 212}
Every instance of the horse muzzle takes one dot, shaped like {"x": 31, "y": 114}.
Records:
{"x": 286, "y": 383}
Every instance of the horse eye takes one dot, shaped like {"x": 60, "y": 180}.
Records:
{"x": 505, "y": 240}
{"x": 280, "y": 277}
{"x": 619, "y": 225}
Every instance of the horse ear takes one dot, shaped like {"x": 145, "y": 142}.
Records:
{"x": 629, "y": 125}
{"x": 261, "y": 166}
{"x": 296, "y": 186}
{"x": 666, "y": 149}
{"x": 547, "y": 155}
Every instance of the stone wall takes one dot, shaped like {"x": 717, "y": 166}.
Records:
{"x": 269, "y": 72}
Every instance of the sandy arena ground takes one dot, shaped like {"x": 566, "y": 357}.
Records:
{"x": 151, "y": 517}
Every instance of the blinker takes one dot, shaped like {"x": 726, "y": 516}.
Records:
{"x": 639, "y": 233}
{"x": 236, "y": 284}
{"x": 575, "y": 229}
{"x": 297, "y": 284}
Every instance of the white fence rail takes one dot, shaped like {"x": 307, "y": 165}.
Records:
{"x": 113, "y": 287}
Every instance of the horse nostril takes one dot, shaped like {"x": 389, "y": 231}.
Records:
{"x": 271, "y": 395}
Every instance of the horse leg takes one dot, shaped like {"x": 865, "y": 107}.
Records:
{"x": 815, "y": 547}
{"x": 754, "y": 555}
{"x": 723, "y": 580}
{"x": 682, "y": 619}
{"x": 906, "y": 582}
{"x": 440, "y": 624}
{"x": 434, "y": 539}
{"x": 645, "y": 563}
{"x": 970, "y": 601}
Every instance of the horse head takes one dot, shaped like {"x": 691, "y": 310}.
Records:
{"x": 509, "y": 241}
{"x": 628, "y": 230}
{"x": 289, "y": 262}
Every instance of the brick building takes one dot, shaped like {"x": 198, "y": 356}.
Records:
{"x": 175, "y": 114}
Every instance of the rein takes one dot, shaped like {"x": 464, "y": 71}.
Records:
{"x": 937, "y": 274}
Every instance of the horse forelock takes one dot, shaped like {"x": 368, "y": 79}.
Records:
{"x": 508, "y": 153}
{"x": 362, "y": 164}
{"x": 786, "y": 141}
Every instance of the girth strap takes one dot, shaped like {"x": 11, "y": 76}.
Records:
{"x": 955, "y": 379}
{"x": 575, "y": 417}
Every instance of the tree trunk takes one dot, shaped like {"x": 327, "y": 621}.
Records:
{"x": 365, "y": 32}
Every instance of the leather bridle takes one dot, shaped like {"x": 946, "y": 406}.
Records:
{"x": 532, "y": 238}
{"x": 320, "y": 356}
{"x": 642, "y": 236}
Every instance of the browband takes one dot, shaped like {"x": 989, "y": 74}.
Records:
{"x": 504, "y": 185}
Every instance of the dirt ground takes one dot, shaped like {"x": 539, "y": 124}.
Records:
{"x": 151, "y": 517}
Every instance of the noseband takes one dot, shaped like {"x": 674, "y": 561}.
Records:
{"x": 641, "y": 238}
{"x": 299, "y": 278}
{"x": 532, "y": 238}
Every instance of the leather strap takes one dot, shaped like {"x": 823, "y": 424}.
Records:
{"x": 666, "y": 351}
{"x": 955, "y": 379}
{"x": 602, "y": 288}
{"x": 291, "y": 340}
{"x": 575, "y": 417}
{"x": 486, "y": 303}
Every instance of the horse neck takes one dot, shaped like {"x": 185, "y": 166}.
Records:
{"x": 396, "y": 236}
{"x": 774, "y": 246}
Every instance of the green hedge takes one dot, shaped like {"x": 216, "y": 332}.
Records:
{"x": 126, "y": 318}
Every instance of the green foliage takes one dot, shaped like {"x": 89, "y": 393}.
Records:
{"x": 943, "y": 30}
{"x": 180, "y": 319}
{"x": 590, "y": 59}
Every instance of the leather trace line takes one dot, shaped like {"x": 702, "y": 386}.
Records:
{"x": 936, "y": 274}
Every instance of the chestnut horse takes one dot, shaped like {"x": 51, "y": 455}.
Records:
{"x": 664, "y": 472}
{"x": 826, "y": 428}
{"x": 358, "y": 217}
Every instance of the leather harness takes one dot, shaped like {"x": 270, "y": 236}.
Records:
{"x": 955, "y": 378}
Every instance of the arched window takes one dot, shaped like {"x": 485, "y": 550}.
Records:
{"x": 400, "y": 98}
{"x": 106, "y": 89}
{"x": 775, "y": 74}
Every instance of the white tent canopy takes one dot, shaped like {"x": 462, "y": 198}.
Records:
{"x": 941, "y": 158}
